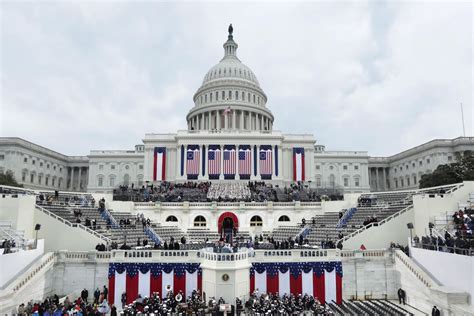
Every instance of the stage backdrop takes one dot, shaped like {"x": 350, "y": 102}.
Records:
{"x": 320, "y": 279}
{"x": 148, "y": 278}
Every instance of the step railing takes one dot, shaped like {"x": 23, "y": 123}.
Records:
{"x": 68, "y": 223}
{"x": 346, "y": 217}
{"x": 107, "y": 216}
{"x": 418, "y": 272}
{"x": 150, "y": 232}
{"x": 382, "y": 222}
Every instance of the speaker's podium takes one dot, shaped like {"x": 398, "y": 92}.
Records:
{"x": 226, "y": 274}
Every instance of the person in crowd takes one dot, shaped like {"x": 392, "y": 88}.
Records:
{"x": 435, "y": 311}
{"x": 84, "y": 295}
{"x": 401, "y": 296}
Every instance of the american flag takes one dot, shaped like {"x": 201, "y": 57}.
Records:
{"x": 192, "y": 161}
{"x": 214, "y": 161}
{"x": 265, "y": 161}
{"x": 245, "y": 162}
{"x": 229, "y": 161}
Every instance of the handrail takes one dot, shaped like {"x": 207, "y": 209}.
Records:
{"x": 68, "y": 223}
{"x": 360, "y": 230}
{"x": 421, "y": 275}
{"x": 37, "y": 267}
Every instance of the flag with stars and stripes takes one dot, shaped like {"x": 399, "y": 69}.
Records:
{"x": 192, "y": 162}
{"x": 265, "y": 162}
{"x": 245, "y": 162}
{"x": 214, "y": 161}
{"x": 320, "y": 279}
{"x": 144, "y": 279}
{"x": 230, "y": 162}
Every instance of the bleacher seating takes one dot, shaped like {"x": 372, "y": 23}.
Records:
{"x": 369, "y": 307}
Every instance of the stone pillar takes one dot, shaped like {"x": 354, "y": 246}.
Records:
{"x": 257, "y": 122}
{"x": 377, "y": 179}
{"x": 80, "y": 179}
{"x": 261, "y": 123}
{"x": 249, "y": 127}
{"x": 226, "y": 120}
{"x": 71, "y": 187}
{"x": 241, "y": 120}
{"x": 234, "y": 118}
{"x": 218, "y": 120}
{"x": 209, "y": 120}
{"x": 384, "y": 178}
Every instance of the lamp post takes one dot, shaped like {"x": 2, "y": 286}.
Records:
{"x": 37, "y": 228}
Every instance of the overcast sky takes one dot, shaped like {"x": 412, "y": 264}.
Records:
{"x": 376, "y": 76}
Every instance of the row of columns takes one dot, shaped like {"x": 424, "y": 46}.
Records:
{"x": 378, "y": 183}
{"x": 252, "y": 163}
{"x": 82, "y": 173}
{"x": 212, "y": 120}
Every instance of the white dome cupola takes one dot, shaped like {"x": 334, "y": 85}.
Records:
{"x": 230, "y": 97}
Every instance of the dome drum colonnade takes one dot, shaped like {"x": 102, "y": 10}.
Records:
{"x": 230, "y": 97}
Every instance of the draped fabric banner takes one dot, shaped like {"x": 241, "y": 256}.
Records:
{"x": 146, "y": 278}
{"x": 214, "y": 162}
{"x": 159, "y": 164}
{"x": 245, "y": 162}
{"x": 320, "y": 279}
{"x": 298, "y": 164}
{"x": 192, "y": 161}
{"x": 265, "y": 162}
{"x": 230, "y": 162}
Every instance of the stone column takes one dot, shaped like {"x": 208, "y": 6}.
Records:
{"x": 72, "y": 179}
{"x": 226, "y": 120}
{"x": 384, "y": 177}
{"x": 234, "y": 118}
{"x": 377, "y": 179}
{"x": 218, "y": 120}
{"x": 241, "y": 120}
{"x": 257, "y": 122}
{"x": 261, "y": 123}
{"x": 209, "y": 120}
{"x": 80, "y": 178}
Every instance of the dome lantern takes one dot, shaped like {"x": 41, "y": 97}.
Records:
{"x": 230, "y": 47}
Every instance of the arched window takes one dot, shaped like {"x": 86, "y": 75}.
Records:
{"x": 248, "y": 97}
{"x": 217, "y": 96}
{"x": 256, "y": 221}
{"x": 243, "y": 96}
{"x": 199, "y": 221}
{"x": 284, "y": 218}
{"x": 111, "y": 180}
{"x": 332, "y": 180}
{"x": 171, "y": 218}
{"x": 126, "y": 179}
{"x": 236, "y": 95}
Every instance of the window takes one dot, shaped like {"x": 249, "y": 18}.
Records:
{"x": 254, "y": 98}
{"x": 41, "y": 164}
{"x": 100, "y": 181}
{"x": 318, "y": 167}
{"x": 318, "y": 181}
{"x": 32, "y": 178}
{"x": 356, "y": 167}
{"x": 52, "y": 181}
{"x": 210, "y": 97}
{"x": 394, "y": 170}
{"x": 449, "y": 158}
{"x": 101, "y": 167}
{"x": 332, "y": 180}
{"x": 331, "y": 167}
{"x": 46, "y": 181}
{"x": 346, "y": 182}
{"x": 217, "y": 96}
{"x": 344, "y": 167}
{"x": 126, "y": 179}
{"x": 39, "y": 179}
{"x": 112, "y": 181}
{"x": 284, "y": 218}
{"x": 127, "y": 167}
{"x": 47, "y": 166}
{"x": 428, "y": 160}
{"x": 406, "y": 167}
{"x": 248, "y": 97}
{"x": 171, "y": 218}
{"x": 236, "y": 95}
{"x": 223, "y": 95}
{"x": 140, "y": 167}
{"x": 421, "y": 163}
{"x": 230, "y": 95}
{"x": 408, "y": 181}
{"x": 414, "y": 180}
{"x": 401, "y": 183}
{"x": 396, "y": 183}
{"x": 112, "y": 167}
{"x": 413, "y": 165}
{"x": 243, "y": 96}
{"x": 2, "y": 157}
{"x": 199, "y": 221}
{"x": 256, "y": 221}
{"x": 23, "y": 176}
{"x": 61, "y": 169}
{"x": 356, "y": 182}
{"x": 33, "y": 162}
{"x": 25, "y": 159}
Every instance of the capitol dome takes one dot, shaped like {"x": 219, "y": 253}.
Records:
{"x": 230, "y": 97}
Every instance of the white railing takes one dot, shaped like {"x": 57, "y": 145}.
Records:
{"x": 415, "y": 269}
{"x": 68, "y": 223}
{"x": 44, "y": 263}
{"x": 385, "y": 220}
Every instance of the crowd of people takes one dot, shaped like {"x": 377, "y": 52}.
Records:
{"x": 228, "y": 191}
{"x": 370, "y": 220}
{"x": 171, "y": 304}
{"x": 194, "y": 191}
{"x": 273, "y": 304}
{"x": 83, "y": 305}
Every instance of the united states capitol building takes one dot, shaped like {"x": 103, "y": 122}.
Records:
{"x": 231, "y": 215}
{"x": 230, "y": 121}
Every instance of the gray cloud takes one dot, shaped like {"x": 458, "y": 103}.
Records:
{"x": 376, "y": 76}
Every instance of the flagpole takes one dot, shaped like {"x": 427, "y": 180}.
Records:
{"x": 462, "y": 117}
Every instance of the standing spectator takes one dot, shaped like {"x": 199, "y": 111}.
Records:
{"x": 435, "y": 311}
{"x": 401, "y": 296}
{"x": 84, "y": 295}
{"x": 96, "y": 295}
